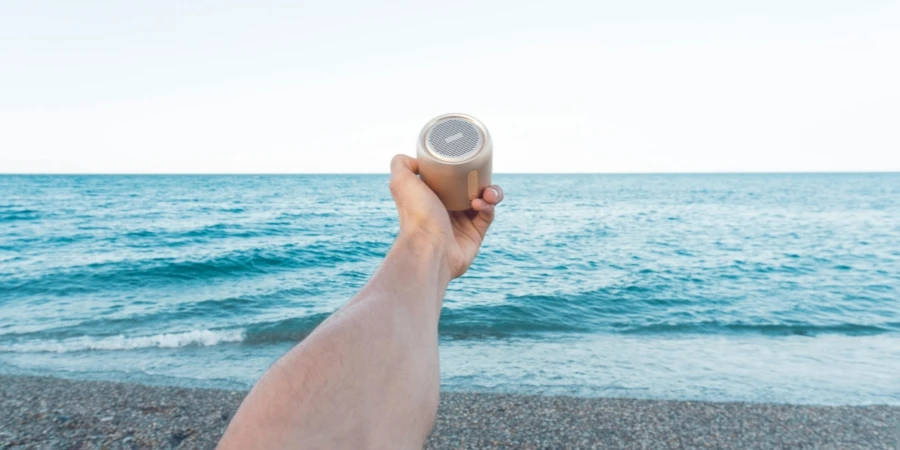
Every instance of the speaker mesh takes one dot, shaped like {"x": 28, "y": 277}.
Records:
{"x": 454, "y": 138}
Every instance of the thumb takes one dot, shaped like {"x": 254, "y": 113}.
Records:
{"x": 404, "y": 170}
{"x": 484, "y": 207}
{"x": 402, "y": 166}
{"x": 484, "y": 217}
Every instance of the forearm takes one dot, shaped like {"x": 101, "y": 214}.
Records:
{"x": 368, "y": 376}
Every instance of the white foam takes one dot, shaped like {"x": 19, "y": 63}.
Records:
{"x": 200, "y": 338}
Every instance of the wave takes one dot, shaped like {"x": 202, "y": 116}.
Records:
{"x": 285, "y": 224}
{"x": 292, "y": 329}
{"x": 295, "y": 329}
{"x": 522, "y": 328}
{"x": 161, "y": 271}
{"x": 627, "y": 309}
{"x": 13, "y": 214}
{"x": 229, "y": 309}
{"x": 580, "y": 312}
{"x": 198, "y": 338}
{"x": 768, "y": 329}
{"x": 634, "y": 309}
{"x": 212, "y": 232}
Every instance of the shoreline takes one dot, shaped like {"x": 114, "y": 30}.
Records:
{"x": 45, "y": 412}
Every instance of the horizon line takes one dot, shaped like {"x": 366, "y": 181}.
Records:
{"x": 388, "y": 173}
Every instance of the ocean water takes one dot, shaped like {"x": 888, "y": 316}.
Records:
{"x": 776, "y": 288}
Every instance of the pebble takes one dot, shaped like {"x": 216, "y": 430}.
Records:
{"x": 50, "y": 413}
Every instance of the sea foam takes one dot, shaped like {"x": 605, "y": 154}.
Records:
{"x": 199, "y": 338}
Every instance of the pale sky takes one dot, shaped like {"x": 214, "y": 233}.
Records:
{"x": 563, "y": 86}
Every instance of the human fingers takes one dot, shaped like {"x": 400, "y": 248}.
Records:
{"x": 484, "y": 217}
{"x": 482, "y": 206}
{"x": 403, "y": 171}
{"x": 492, "y": 194}
{"x": 404, "y": 166}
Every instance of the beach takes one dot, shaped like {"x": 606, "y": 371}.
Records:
{"x": 732, "y": 297}
{"x": 43, "y": 412}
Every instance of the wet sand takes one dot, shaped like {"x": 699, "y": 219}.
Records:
{"x": 38, "y": 412}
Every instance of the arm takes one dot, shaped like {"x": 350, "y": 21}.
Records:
{"x": 368, "y": 376}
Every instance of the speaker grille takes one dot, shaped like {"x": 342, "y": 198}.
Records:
{"x": 454, "y": 138}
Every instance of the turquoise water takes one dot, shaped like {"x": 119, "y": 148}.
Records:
{"x": 781, "y": 288}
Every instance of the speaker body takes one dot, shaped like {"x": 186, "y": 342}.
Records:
{"x": 454, "y": 153}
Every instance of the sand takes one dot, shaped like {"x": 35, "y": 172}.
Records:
{"x": 37, "y": 412}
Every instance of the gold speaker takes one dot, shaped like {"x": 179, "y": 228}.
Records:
{"x": 454, "y": 153}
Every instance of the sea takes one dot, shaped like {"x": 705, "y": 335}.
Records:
{"x": 777, "y": 288}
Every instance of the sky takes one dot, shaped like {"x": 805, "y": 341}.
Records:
{"x": 340, "y": 87}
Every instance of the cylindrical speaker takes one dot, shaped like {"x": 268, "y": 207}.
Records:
{"x": 454, "y": 153}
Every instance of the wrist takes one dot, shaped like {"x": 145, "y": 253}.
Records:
{"x": 427, "y": 250}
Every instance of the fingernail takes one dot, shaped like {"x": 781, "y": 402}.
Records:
{"x": 496, "y": 193}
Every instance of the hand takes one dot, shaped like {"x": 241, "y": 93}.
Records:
{"x": 457, "y": 234}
